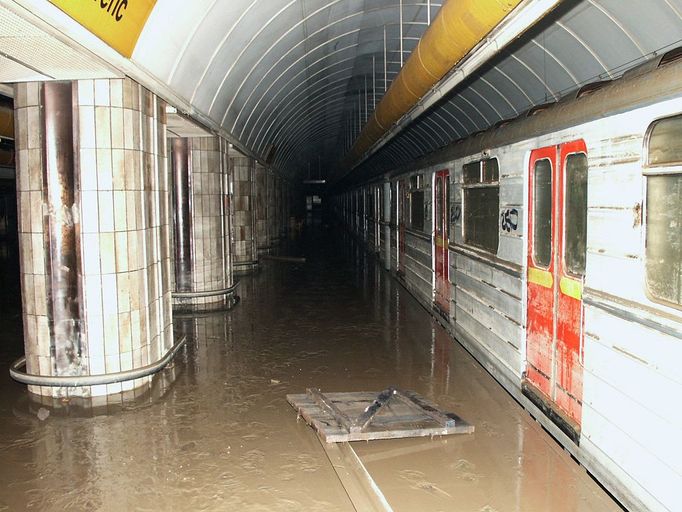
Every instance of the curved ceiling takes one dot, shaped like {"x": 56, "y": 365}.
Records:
{"x": 297, "y": 79}
{"x": 300, "y": 76}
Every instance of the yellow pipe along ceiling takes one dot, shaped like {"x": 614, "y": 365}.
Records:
{"x": 459, "y": 26}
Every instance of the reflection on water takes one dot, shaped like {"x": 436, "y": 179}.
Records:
{"x": 221, "y": 436}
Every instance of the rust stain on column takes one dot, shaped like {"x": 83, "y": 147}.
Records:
{"x": 226, "y": 209}
{"x": 61, "y": 240}
{"x": 183, "y": 215}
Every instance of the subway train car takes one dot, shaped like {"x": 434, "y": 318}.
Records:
{"x": 550, "y": 246}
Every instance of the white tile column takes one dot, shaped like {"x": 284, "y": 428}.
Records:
{"x": 93, "y": 201}
{"x": 245, "y": 257}
{"x": 203, "y": 253}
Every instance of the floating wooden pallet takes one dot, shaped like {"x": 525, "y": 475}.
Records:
{"x": 363, "y": 416}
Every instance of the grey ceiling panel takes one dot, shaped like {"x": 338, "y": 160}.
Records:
{"x": 569, "y": 51}
{"x": 304, "y": 75}
{"x": 544, "y": 65}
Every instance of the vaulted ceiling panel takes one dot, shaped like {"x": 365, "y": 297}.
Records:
{"x": 580, "y": 60}
{"x": 547, "y": 68}
{"x": 647, "y": 23}
{"x": 607, "y": 36}
{"x": 303, "y": 76}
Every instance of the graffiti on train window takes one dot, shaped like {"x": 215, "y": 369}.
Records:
{"x": 509, "y": 220}
{"x": 481, "y": 195}
{"x": 575, "y": 246}
{"x": 542, "y": 213}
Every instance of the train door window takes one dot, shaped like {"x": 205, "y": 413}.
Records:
{"x": 664, "y": 211}
{"x": 542, "y": 213}
{"x": 439, "y": 204}
{"x": 575, "y": 245}
{"x": 417, "y": 210}
{"x": 416, "y": 203}
{"x": 481, "y": 190}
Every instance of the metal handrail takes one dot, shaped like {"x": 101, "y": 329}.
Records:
{"x": 209, "y": 293}
{"x": 74, "y": 381}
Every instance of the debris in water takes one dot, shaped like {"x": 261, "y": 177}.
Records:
{"x": 274, "y": 381}
{"x": 188, "y": 446}
{"x": 342, "y": 417}
{"x": 43, "y": 414}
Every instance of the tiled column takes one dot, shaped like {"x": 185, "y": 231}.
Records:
{"x": 93, "y": 198}
{"x": 244, "y": 253}
{"x": 203, "y": 263}
{"x": 262, "y": 225}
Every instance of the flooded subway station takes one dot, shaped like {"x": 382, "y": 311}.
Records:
{"x": 216, "y": 432}
{"x": 398, "y": 255}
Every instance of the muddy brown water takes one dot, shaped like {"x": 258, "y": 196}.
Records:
{"x": 221, "y": 436}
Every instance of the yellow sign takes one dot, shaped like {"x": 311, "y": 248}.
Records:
{"x": 540, "y": 277}
{"x": 116, "y": 22}
{"x": 571, "y": 288}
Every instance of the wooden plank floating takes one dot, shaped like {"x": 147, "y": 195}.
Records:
{"x": 364, "y": 416}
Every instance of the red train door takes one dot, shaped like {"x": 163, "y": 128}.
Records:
{"x": 402, "y": 220}
{"x": 557, "y": 227}
{"x": 440, "y": 241}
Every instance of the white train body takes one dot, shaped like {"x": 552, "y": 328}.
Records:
{"x": 628, "y": 426}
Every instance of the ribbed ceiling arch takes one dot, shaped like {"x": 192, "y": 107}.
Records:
{"x": 302, "y": 76}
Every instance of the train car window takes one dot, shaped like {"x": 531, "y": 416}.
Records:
{"x": 542, "y": 213}
{"x": 490, "y": 171}
{"x": 481, "y": 191}
{"x": 417, "y": 210}
{"x": 575, "y": 245}
{"x": 471, "y": 173}
{"x": 665, "y": 141}
{"x": 664, "y": 237}
{"x": 370, "y": 203}
{"x": 663, "y": 251}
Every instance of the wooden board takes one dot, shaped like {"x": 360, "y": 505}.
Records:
{"x": 364, "y": 416}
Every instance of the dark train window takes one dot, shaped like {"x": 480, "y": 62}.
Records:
{"x": 542, "y": 213}
{"x": 379, "y": 194}
{"x": 471, "y": 173}
{"x": 481, "y": 191}
{"x": 417, "y": 210}
{"x": 370, "y": 203}
{"x": 664, "y": 211}
{"x": 575, "y": 244}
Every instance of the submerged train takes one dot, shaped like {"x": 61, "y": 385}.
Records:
{"x": 551, "y": 247}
